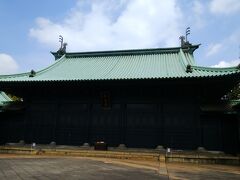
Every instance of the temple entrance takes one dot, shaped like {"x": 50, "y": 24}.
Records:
{"x": 106, "y": 124}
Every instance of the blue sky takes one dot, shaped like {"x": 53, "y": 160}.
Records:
{"x": 30, "y": 29}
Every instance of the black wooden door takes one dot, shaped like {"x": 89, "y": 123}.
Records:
{"x": 211, "y": 133}
{"x": 180, "y": 125}
{"x": 142, "y": 125}
{"x": 106, "y": 124}
{"x": 71, "y": 127}
{"x": 40, "y": 123}
{"x": 11, "y": 127}
{"x": 230, "y": 135}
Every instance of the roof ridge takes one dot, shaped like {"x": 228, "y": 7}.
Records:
{"x": 57, "y": 62}
{"x": 184, "y": 59}
{"x": 37, "y": 73}
{"x": 130, "y": 52}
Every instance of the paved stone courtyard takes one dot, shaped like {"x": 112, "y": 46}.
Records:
{"x": 69, "y": 168}
{"x": 37, "y": 167}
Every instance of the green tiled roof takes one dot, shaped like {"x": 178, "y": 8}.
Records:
{"x": 235, "y": 103}
{"x": 157, "y": 63}
{"x": 4, "y": 99}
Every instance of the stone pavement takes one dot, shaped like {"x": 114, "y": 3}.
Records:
{"x": 70, "y": 168}
{"x": 205, "y": 172}
{"x": 47, "y": 167}
{"x": 185, "y": 170}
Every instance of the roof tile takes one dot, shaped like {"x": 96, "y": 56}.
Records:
{"x": 129, "y": 64}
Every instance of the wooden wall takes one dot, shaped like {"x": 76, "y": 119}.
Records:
{"x": 139, "y": 115}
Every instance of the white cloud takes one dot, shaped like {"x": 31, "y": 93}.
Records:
{"x": 198, "y": 7}
{"x": 198, "y": 14}
{"x": 7, "y": 64}
{"x": 227, "y": 64}
{"x": 235, "y": 36}
{"x": 108, "y": 24}
{"x": 225, "y": 6}
{"x": 213, "y": 49}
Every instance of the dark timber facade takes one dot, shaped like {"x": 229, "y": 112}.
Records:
{"x": 140, "y": 98}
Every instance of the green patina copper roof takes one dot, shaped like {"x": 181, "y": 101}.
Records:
{"x": 227, "y": 106}
{"x": 4, "y": 99}
{"x": 157, "y": 63}
{"x": 235, "y": 103}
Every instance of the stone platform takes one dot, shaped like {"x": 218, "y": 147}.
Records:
{"x": 197, "y": 157}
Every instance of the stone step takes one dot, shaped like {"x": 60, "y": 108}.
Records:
{"x": 149, "y": 156}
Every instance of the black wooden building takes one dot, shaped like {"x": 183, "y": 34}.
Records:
{"x": 140, "y": 98}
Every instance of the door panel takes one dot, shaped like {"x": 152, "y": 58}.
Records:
{"x": 180, "y": 126}
{"x": 106, "y": 124}
{"x": 141, "y": 125}
{"x": 72, "y": 124}
{"x": 40, "y": 123}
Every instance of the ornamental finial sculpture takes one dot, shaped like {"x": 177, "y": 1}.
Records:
{"x": 185, "y": 44}
{"x": 187, "y": 33}
{"x": 62, "y": 49}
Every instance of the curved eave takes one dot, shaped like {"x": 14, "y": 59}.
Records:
{"x": 209, "y": 76}
{"x": 213, "y": 69}
{"x": 4, "y": 96}
{"x": 195, "y": 74}
{"x": 26, "y": 75}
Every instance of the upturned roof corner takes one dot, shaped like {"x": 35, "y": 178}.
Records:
{"x": 56, "y": 55}
{"x": 62, "y": 49}
{"x": 4, "y": 98}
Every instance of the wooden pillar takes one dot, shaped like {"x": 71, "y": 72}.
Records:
{"x": 123, "y": 124}
{"x": 89, "y": 122}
